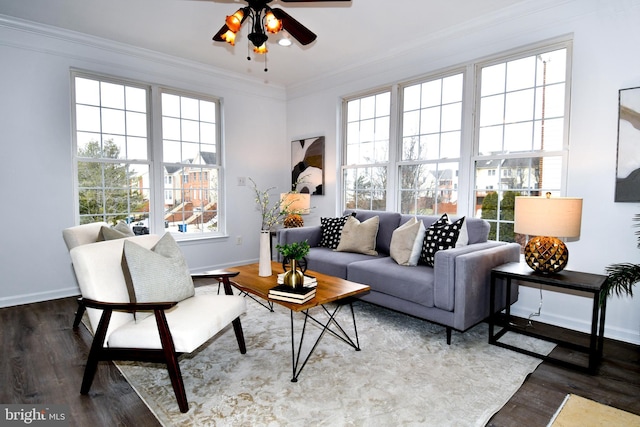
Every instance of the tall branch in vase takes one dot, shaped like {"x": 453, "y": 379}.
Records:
{"x": 271, "y": 215}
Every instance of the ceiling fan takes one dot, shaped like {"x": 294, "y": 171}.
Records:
{"x": 265, "y": 19}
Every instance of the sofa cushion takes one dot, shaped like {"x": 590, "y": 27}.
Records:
{"x": 441, "y": 235}
{"x": 406, "y": 242}
{"x": 158, "y": 274}
{"x": 386, "y": 276}
{"x": 327, "y": 261}
{"x": 331, "y": 231}
{"x": 359, "y": 237}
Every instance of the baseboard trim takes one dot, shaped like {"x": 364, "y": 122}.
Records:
{"x": 619, "y": 334}
{"x": 38, "y": 297}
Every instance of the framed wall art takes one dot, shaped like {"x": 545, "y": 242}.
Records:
{"x": 307, "y": 165}
{"x": 628, "y": 161}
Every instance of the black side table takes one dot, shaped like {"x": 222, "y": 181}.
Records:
{"x": 584, "y": 282}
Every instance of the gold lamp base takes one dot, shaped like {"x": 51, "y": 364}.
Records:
{"x": 293, "y": 220}
{"x": 546, "y": 254}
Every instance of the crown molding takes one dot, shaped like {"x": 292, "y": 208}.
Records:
{"x": 254, "y": 86}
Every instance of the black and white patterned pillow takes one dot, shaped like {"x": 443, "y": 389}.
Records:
{"x": 331, "y": 231}
{"x": 440, "y": 236}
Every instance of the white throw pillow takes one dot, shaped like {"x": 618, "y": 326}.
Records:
{"x": 463, "y": 237}
{"x": 359, "y": 237}
{"x": 406, "y": 242}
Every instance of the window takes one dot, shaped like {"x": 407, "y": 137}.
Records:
{"x": 521, "y": 133}
{"x": 189, "y": 133}
{"x": 431, "y": 138}
{"x": 111, "y": 123}
{"x": 114, "y": 160}
{"x": 445, "y": 149}
{"x": 367, "y": 152}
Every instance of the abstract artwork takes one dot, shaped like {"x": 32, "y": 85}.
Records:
{"x": 307, "y": 161}
{"x": 628, "y": 164}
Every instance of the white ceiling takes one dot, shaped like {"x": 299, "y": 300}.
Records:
{"x": 354, "y": 32}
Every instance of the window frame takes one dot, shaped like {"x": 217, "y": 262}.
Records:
{"x": 388, "y": 165}
{"x": 469, "y": 150}
{"x": 562, "y": 153}
{"x": 155, "y": 161}
{"x": 451, "y": 72}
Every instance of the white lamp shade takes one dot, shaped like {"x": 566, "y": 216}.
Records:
{"x": 553, "y": 217}
{"x": 299, "y": 203}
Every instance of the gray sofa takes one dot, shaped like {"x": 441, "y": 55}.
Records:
{"x": 454, "y": 293}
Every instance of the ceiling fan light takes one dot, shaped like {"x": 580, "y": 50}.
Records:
{"x": 235, "y": 21}
{"x": 229, "y": 37}
{"x": 285, "y": 41}
{"x": 272, "y": 24}
{"x": 262, "y": 49}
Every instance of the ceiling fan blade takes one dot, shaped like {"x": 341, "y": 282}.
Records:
{"x": 218, "y": 36}
{"x": 295, "y": 28}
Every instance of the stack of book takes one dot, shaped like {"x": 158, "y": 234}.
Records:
{"x": 289, "y": 294}
{"x": 309, "y": 281}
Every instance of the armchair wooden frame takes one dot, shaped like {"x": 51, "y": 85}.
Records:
{"x": 167, "y": 354}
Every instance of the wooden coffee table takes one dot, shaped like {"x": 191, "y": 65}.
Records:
{"x": 330, "y": 290}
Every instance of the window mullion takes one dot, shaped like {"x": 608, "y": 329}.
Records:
{"x": 155, "y": 154}
{"x": 395, "y": 147}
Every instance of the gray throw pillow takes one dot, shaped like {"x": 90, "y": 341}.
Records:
{"x": 118, "y": 231}
{"x": 359, "y": 237}
{"x": 159, "y": 274}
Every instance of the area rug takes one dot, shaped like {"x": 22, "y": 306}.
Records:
{"x": 577, "y": 411}
{"x": 405, "y": 374}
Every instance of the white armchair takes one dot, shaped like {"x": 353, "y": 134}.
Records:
{"x": 158, "y": 331}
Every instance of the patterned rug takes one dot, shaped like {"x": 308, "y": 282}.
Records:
{"x": 406, "y": 374}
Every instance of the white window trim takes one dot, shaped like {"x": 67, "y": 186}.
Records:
{"x": 154, "y": 151}
{"x": 470, "y": 101}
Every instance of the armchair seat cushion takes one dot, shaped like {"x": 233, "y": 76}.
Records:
{"x": 192, "y": 322}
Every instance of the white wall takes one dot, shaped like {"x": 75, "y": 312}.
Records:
{"x": 35, "y": 138}
{"x": 605, "y": 60}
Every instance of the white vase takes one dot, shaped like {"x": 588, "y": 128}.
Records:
{"x": 264, "y": 265}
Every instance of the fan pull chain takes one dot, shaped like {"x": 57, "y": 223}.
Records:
{"x": 265, "y": 62}
{"x": 248, "y": 51}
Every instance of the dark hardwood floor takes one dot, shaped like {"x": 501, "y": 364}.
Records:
{"x": 617, "y": 382}
{"x": 42, "y": 361}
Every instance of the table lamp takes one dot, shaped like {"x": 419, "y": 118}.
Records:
{"x": 295, "y": 205}
{"x": 546, "y": 219}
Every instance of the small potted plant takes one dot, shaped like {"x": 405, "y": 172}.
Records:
{"x": 294, "y": 252}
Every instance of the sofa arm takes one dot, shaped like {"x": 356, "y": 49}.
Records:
{"x": 453, "y": 267}
{"x": 312, "y": 234}
{"x": 472, "y": 282}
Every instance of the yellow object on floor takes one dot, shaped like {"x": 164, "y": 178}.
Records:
{"x": 577, "y": 411}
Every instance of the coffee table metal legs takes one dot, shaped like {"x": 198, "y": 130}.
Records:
{"x": 339, "y": 333}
